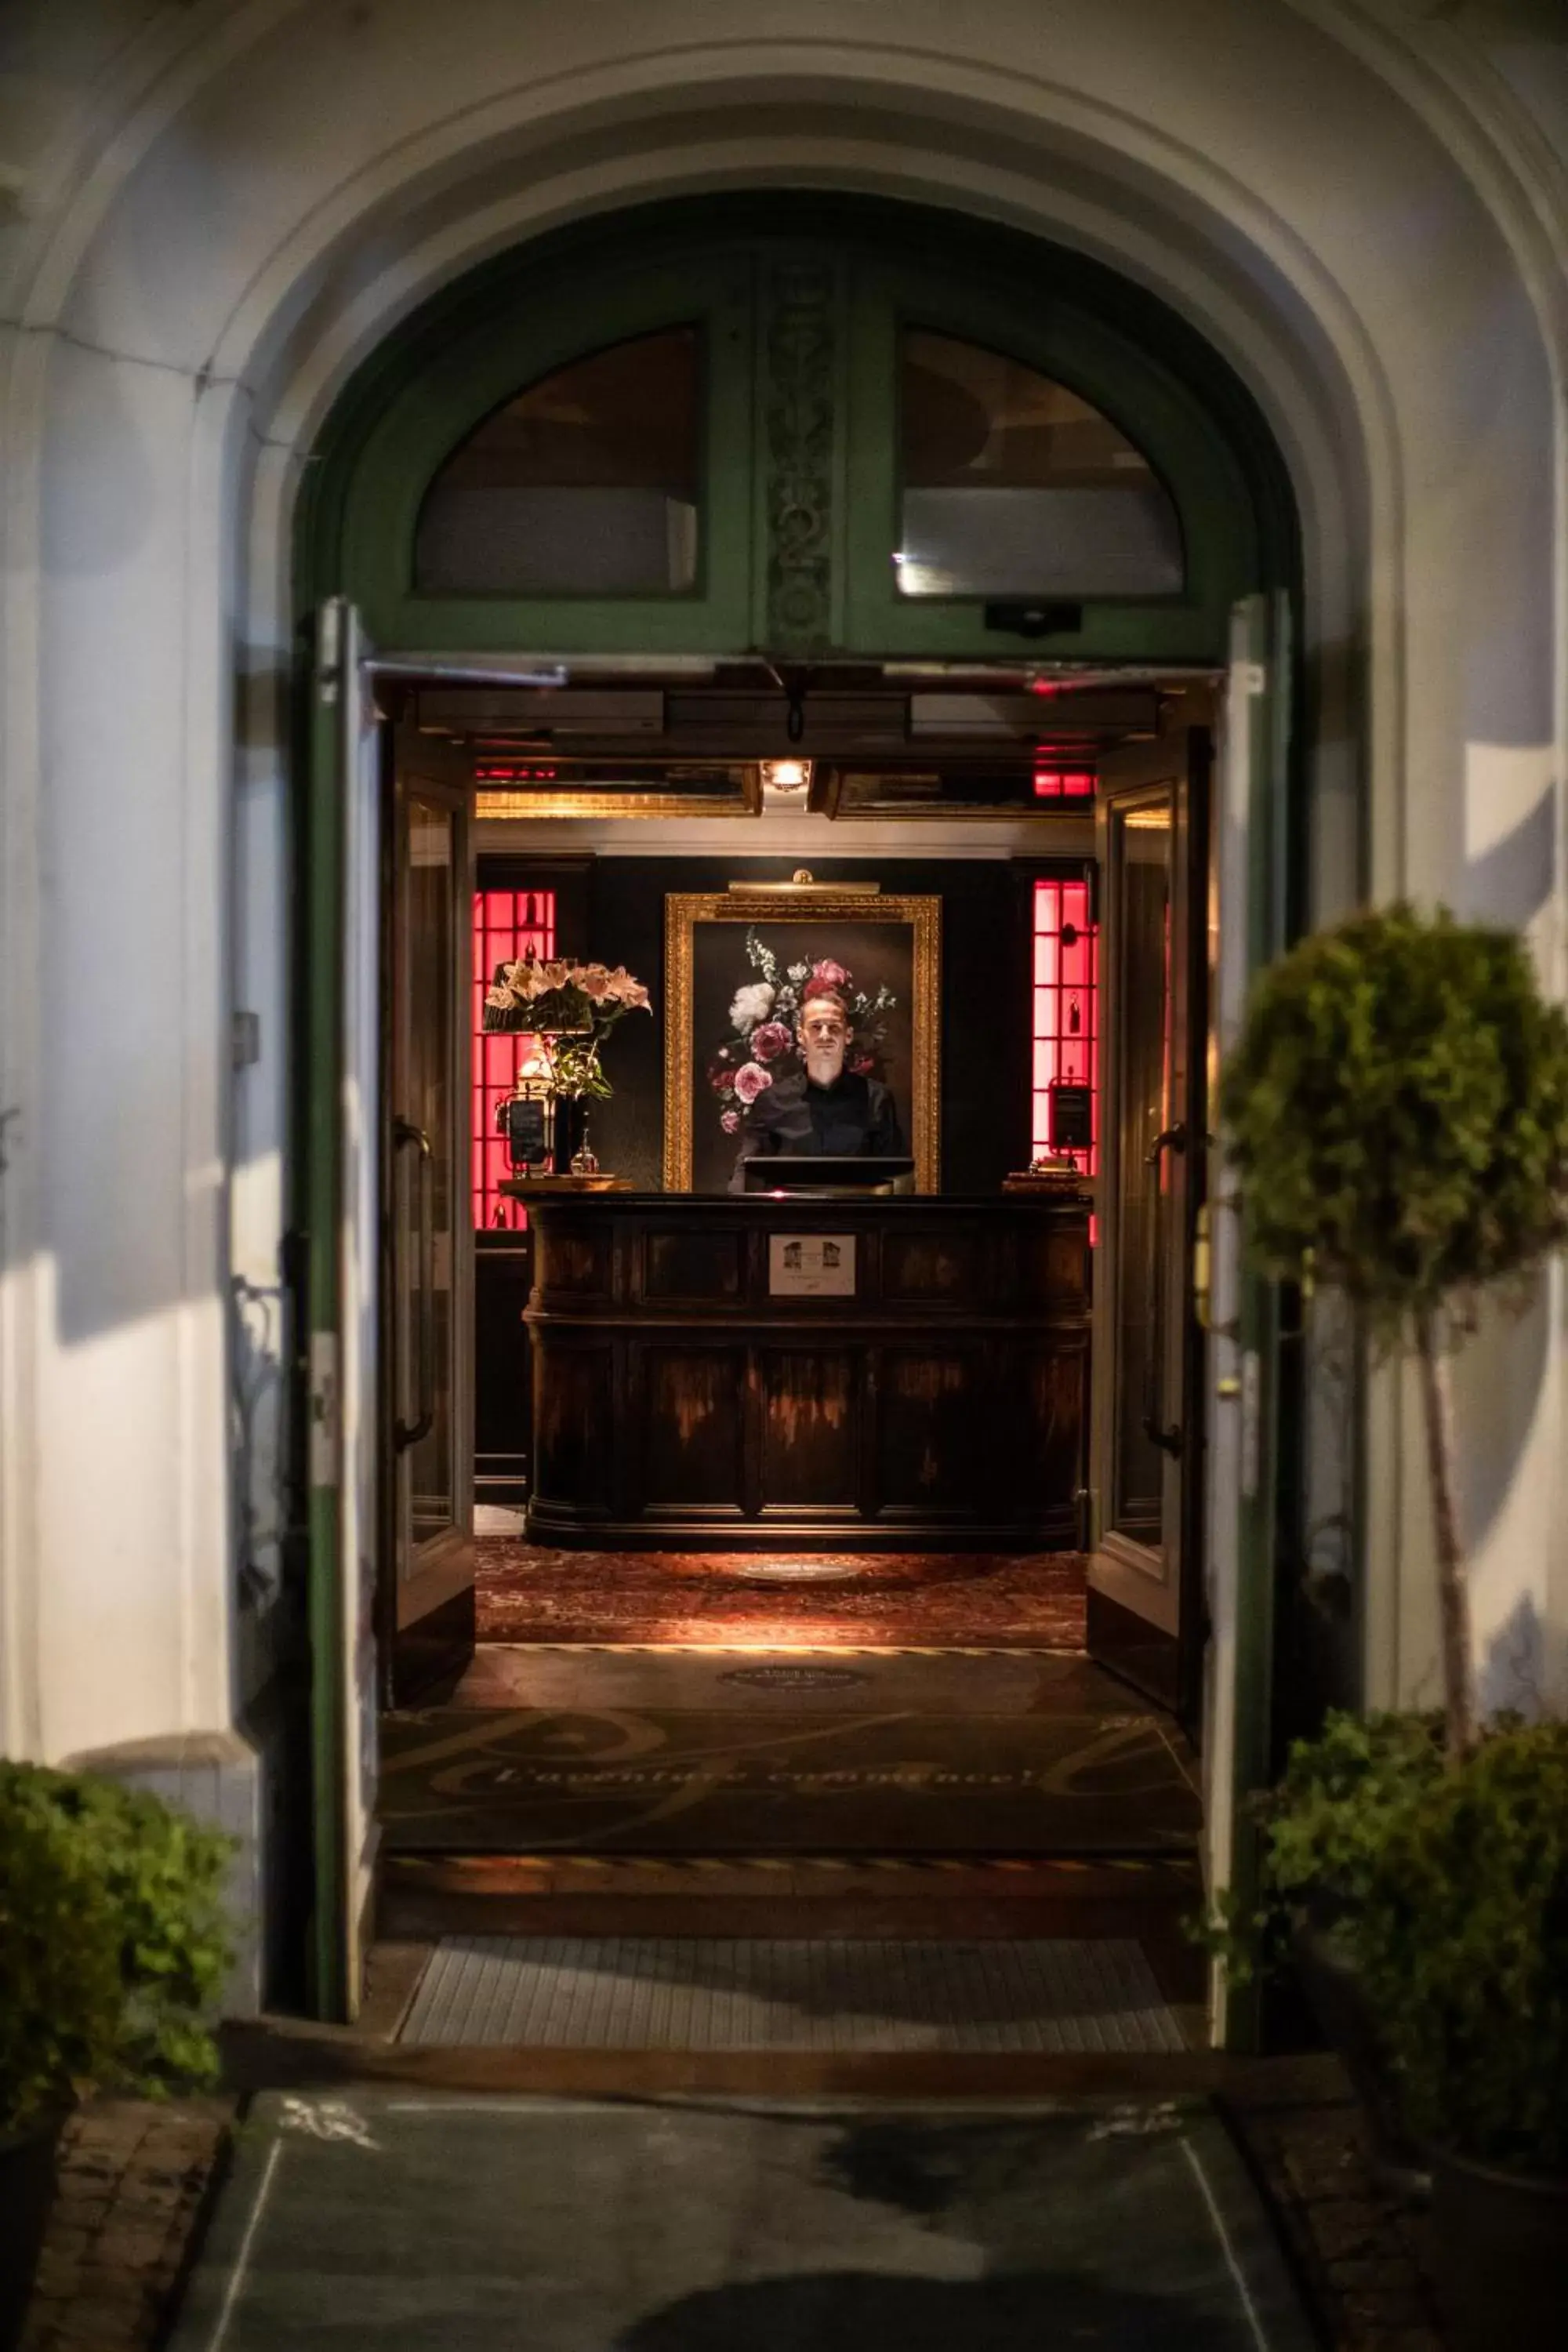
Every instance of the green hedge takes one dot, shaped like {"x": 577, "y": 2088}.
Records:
{"x": 113, "y": 1944}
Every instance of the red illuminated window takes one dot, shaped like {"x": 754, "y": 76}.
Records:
{"x": 1065, "y": 989}
{"x": 507, "y": 924}
{"x": 1064, "y": 783}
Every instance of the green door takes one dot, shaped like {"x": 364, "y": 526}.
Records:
{"x": 387, "y": 1290}
{"x": 338, "y": 1177}
{"x": 429, "y": 1588}
{"x": 1242, "y": 1365}
{"x": 1148, "y": 1420}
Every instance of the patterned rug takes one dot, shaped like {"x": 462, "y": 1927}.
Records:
{"x": 881, "y": 1600}
{"x": 782, "y": 1780}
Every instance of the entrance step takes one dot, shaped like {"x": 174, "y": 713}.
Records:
{"x": 791, "y": 1993}
{"x": 425, "y": 1896}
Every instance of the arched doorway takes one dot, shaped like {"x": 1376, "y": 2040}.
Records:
{"x": 993, "y": 470}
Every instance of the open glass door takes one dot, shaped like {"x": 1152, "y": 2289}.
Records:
{"x": 380, "y": 1256}
{"x": 1144, "y": 1602}
{"x": 1249, "y": 928}
{"x": 338, "y": 1288}
{"x": 428, "y": 1595}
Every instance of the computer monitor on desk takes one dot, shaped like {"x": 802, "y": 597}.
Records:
{"x": 803, "y": 1175}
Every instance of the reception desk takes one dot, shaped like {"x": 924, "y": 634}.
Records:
{"x": 757, "y": 1373}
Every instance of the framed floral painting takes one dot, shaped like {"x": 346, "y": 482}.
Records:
{"x": 739, "y": 967}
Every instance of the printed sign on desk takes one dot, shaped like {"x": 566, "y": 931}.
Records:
{"x": 811, "y": 1265}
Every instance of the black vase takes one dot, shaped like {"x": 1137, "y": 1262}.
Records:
{"x": 27, "y": 2159}
{"x": 570, "y": 1117}
{"x": 1499, "y": 2257}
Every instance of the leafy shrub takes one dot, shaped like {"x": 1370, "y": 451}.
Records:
{"x": 1462, "y": 1941}
{"x": 112, "y": 1940}
{"x": 1445, "y": 1886}
{"x": 1325, "y": 1826}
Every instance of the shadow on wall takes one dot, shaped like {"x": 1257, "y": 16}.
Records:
{"x": 1526, "y": 1663}
{"x": 1509, "y": 881}
{"x": 1499, "y": 1376}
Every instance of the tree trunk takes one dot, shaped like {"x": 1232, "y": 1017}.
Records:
{"x": 1452, "y": 1589}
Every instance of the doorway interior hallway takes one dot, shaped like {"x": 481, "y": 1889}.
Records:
{"x": 871, "y": 1761}
{"x": 700, "y": 1801}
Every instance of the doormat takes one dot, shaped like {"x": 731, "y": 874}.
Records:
{"x": 790, "y": 1992}
{"x": 433, "y": 2223}
{"x": 891, "y": 1600}
{"x": 637, "y": 1781}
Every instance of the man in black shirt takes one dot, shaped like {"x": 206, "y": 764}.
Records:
{"x": 826, "y": 1108}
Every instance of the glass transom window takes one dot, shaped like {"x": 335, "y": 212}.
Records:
{"x": 1015, "y": 486}
{"x": 586, "y": 484}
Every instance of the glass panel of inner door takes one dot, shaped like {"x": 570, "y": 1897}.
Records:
{"x": 428, "y": 1610}
{"x": 426, "y": 1204}
{"x": 1141, "y": 866}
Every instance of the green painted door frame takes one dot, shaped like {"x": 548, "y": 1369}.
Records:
{"x": 1243, "y": 1517}
{"x": 800, "y": 302}
{"x": 799, "y": 299}
{"x": 320, "y": 1209}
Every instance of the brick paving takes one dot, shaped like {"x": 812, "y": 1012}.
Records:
{"x": 1360, "y": 2250}
{"x": 133, "y": 2176}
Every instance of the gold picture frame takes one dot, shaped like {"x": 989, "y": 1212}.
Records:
{"x": 662, "y": 798}
{"x": 821, "y": 908}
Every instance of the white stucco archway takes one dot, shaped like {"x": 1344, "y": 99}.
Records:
{"x": 232, "y": 203}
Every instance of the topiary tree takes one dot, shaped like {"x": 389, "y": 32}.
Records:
{"x": 1397, "y": 1112}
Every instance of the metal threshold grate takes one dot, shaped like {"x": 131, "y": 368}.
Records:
{"x": 667, "y": 1993}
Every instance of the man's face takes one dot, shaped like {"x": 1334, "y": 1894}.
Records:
{"x": 824, "y": 1036}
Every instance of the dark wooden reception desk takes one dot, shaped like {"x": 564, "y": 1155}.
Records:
{"x": 752, "y": 1372}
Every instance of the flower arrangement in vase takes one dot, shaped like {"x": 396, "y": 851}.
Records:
{"x": 574, "y": 1006}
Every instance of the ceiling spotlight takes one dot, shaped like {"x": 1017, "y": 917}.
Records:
{"x": 786, "y": 775}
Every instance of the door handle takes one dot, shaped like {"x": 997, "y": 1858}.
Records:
{"x": 410, "y": 1432}
{"x": 1166, "y": 1434}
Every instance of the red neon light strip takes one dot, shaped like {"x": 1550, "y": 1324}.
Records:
{"x": 1066, "y": 1007}
{"x": 1064, "y": 783}
{"x": 507, "y": 924}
